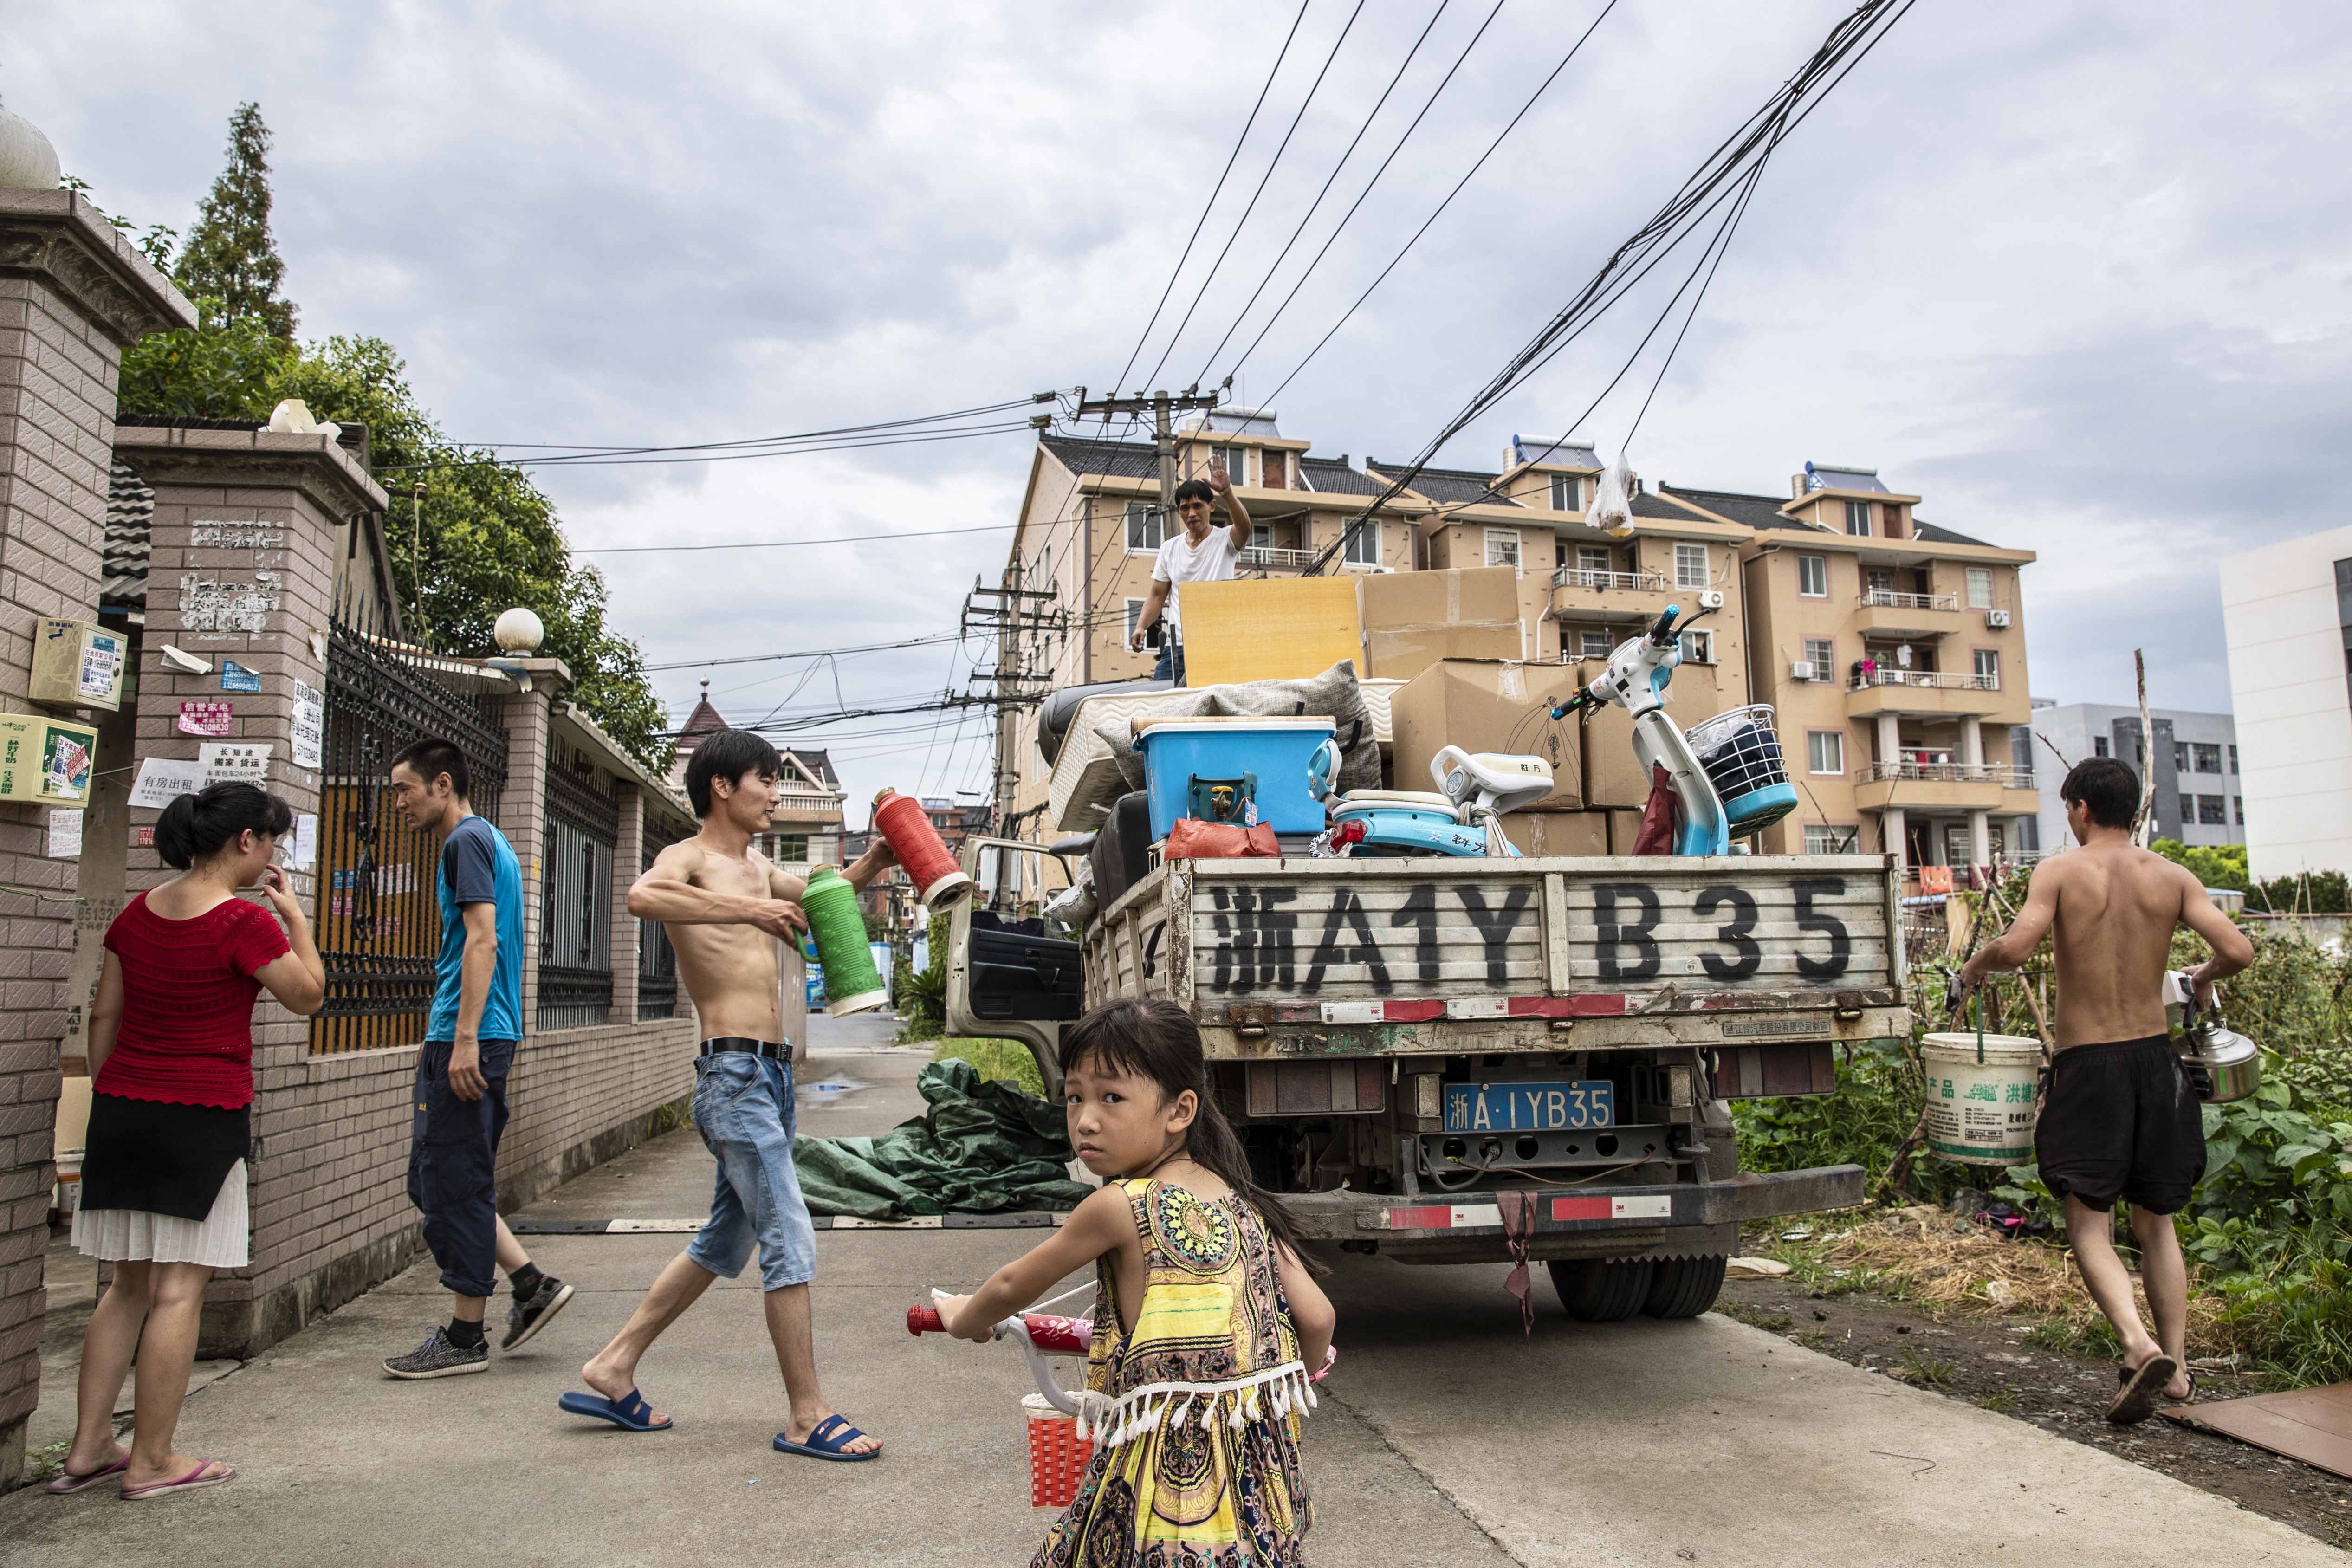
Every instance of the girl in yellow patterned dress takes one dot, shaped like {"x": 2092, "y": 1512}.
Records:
{"x": 1207, "y": 1317}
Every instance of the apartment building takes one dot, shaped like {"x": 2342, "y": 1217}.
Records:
{"x": 1893, "y": 652}
{"x": 2200, "y": 796}
{"x": 806, "y": 828}
{"x": 2286, "y": 609}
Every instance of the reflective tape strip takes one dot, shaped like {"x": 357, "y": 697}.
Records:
{"x": 1653, "y": 1206}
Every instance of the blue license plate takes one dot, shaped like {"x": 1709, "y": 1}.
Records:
{"x": 1530, "y": 1107}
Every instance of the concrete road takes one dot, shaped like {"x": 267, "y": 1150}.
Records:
{"x": 1446, "y": 1438}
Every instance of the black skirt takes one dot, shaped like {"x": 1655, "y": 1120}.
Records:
{"x": 159, "y": 1158}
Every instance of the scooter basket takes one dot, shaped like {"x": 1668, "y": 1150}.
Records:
{"x": 1057, "y": 1457}
{"x": 1741, "y": 754}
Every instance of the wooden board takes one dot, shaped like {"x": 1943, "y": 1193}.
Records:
{"x": 2313, "y": 1425}
{"x": 1275, "y": 628}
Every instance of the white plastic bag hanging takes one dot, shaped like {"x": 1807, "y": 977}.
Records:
{"x": 1612, "y": 499}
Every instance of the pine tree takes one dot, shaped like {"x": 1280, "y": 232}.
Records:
{"x": 229, "y": 255}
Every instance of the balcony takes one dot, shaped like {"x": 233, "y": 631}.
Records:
{"x": 1578, "y": 595}
{"x": 1946, "y": 787}
{"x": 1267, "y": 555}
{"x": 1882, "y": 612}
{"x": 1925, "y": 693}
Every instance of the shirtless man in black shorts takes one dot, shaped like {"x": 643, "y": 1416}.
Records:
{"x": 2118, "y": 1117}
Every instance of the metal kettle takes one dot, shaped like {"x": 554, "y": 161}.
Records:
{"x": 2222, "y": 1064}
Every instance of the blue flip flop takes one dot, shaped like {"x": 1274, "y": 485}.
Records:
{"x": 631, "y": 1413}
{"x": 826, "y": 1440}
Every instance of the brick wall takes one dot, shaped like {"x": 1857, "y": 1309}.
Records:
{"x": 72, "y": 294}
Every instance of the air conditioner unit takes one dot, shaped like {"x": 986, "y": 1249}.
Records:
{"x": 1800, "y": 669}
{"x": 1997, "y": 620}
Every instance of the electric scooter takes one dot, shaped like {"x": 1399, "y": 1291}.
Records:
{"x": 1636, "y": 678}
{"x": 1466, "y": 817}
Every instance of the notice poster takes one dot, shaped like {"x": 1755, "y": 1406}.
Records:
{"x": 309, "y": 725}
{"x": 65, "y": 835}
{"x": 235, "y": 676}
{"x": 235, "y": 762}
{"x": 205, "y": 716}
{"x": 302, "y": 847}
{"x": 101, "y": 666}
{"x": 162, "y": 779}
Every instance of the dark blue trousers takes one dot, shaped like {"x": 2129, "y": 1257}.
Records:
{"x": 452, "y": 1155}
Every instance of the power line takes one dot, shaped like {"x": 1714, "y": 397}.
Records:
{"x": 804, "y": 652}
{"x": 1280, "y": 55}
{"x": 855, "y": 444}
{"x": 1733, "y": 167}
{"x": 1541, "y": 88}
{"x": 1242, "y": 222}
{"x": 838, "y": 431}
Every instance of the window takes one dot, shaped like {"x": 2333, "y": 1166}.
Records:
{"x": 1134, "y": 615}
{"x": 1980, "y": 588}
{"x": 2213, "y": 811}
{"x": 1142, "y": 528}
{"x": 790, "y": 846}
{"x": 1502, "y": 547}
{"x": 1236, "y": 462}
{"x": 1270, "y": 471}
{"x": 2233, "y": 759}
{"x": 1857, "y": 517}
{"x": 1261, "y": 536}
{"x": 1893, "y": 520}
{"x": 1592, "y": 558}
{"x": 2028, "y": 835}
{"x": 1821, "y": 655}
{"x": 2208, "y": 758}
{"x": 2180, "y": 756}
{"x": 1825, "y": 751}
{"x": 1813, "y": 577}
{"x": 1821, "y": 840}
{"x": 1567, "y": 493}
{"x": 1699, "y": 647}
{"x": 2098, "y": 745}
{"x": 2239, "y": 801}
{"x": 1989, "y": 669}
{"x": 1690, "y": 566}
{"x": 1364, "y": 546}
{"x": 1881, "y": 584}
{"x": 1594, "y": 645}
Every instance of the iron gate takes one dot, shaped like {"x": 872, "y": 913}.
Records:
{"x": 575, "y": 928}
{"x": 378, "y": 919}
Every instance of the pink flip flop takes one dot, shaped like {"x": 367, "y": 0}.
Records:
{"x": 67, "y": 1482}
{"x": 187, "y": 1483}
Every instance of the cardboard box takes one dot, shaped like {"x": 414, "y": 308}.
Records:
{"x": 44, "y": 759}
{"x": 1538, "y": 833}
{"x": 1412, "y": 619}
{"x": 1274, "y": 628}
{"x": 1624, "y": 828}
{"x": 77, "y": 664}
{"x": 1613, "y": 778}
{"x": 1488, "y": 705}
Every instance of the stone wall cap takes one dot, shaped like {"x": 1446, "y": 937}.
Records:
{"x": 317, "y": 452}
{"x": 130, "y": 300}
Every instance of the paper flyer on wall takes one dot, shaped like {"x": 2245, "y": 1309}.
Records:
{"x": 302, "y": 847}
{"x": 163, "y": 779}
{"x": 65, "y": 835}
{"x": 309, "y": 725}
{"x": 236, "y": 762}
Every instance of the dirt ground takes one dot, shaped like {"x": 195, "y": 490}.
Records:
{"x": 1996, "y": 1365}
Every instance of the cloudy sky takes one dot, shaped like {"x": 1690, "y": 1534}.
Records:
{"x": 2075, "y": 272}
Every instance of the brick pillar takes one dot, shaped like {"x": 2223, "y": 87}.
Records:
{"x": 242, "y": 567}
{"x": 521, "y": 812}
{"x": 73, "y": 295}
{"x": 628, "y": 849}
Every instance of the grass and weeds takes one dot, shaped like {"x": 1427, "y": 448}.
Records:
{"x": 1754, "y": 1317}
{"x": 45, "y": 1464}
{"x": 1007, "y": 1061}
{"x": 2268, "y": 1231}
{"x": 1927, "y": 1372}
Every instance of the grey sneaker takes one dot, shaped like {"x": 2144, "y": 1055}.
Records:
{"x": 526, "y": 1317}
{"x": 437, "y": 1357}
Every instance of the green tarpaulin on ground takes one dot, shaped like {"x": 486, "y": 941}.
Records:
{"x": 983, "y": 1147}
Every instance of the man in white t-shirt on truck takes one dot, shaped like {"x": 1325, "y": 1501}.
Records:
{"x": 1199, "y": 554}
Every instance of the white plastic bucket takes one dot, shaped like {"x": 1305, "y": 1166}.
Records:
{"x": 1982, "y": 1113}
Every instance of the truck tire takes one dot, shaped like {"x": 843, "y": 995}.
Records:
{"x": 1684, "y": 1287}
{"x": 1597, "y": 1290}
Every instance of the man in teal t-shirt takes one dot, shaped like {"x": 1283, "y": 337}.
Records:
{"x": 461, "y": 1071}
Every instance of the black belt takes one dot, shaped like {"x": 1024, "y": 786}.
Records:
{"x": 773, "y": 1050}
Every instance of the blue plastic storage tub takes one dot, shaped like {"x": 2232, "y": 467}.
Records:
{"x": 1214, "y": 769}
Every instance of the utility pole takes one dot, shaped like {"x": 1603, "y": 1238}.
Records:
{"x": 1162, "y": 408}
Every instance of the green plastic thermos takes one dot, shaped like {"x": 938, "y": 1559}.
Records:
{"x": 851, "y": 983}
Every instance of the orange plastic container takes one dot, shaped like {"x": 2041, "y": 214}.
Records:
{"x": 1058, "y": 1456}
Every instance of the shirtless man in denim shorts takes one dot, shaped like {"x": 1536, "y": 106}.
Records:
{"x": 2118, "y": 1117}
{"x": 725, "y": 905}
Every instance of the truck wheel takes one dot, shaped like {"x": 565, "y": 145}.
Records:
{"x": 1595, "y": 1290}
{"x": 1684, "y": 1287}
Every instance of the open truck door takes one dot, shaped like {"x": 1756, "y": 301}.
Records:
{"x": 1009, "y": 978}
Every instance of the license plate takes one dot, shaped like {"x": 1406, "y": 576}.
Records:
{"x": 1530, "y": 1107}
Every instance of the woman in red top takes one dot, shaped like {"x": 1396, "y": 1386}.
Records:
{"x": 163, "y": 1187}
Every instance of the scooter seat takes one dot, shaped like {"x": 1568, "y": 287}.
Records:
{"x": 1415, "y": 800}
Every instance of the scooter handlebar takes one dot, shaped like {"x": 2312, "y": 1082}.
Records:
{"x": 921, "y": 1320}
